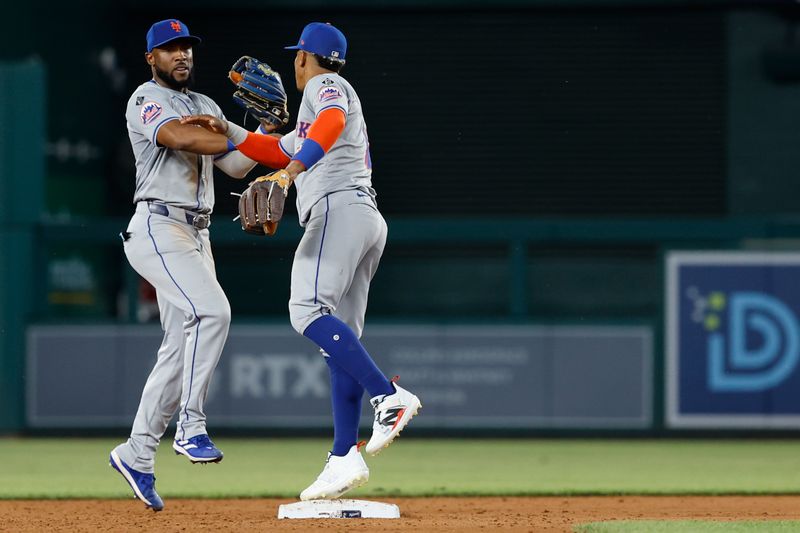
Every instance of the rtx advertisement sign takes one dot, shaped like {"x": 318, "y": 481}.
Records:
{"x": 471, "y": 376}
{"x": 733, "y": 339}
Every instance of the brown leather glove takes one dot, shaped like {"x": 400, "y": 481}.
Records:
{"x": 261, "y": 204}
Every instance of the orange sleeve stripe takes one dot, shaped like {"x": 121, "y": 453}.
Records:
{"x": 327, "y": 127}
{"x": 265, "y": 149}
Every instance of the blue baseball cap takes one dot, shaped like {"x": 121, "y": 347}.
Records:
{"x": 168, "y": 30}
{"x": 322, "y": 39}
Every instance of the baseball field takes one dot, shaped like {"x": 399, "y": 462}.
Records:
{"x": 590, "y": 485}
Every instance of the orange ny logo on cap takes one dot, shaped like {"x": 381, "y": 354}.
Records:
{"x": 175, "y": 25}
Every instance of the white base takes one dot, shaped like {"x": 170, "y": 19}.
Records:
{"x": 338, "y": 509}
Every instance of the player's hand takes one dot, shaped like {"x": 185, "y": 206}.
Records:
{"x": 209, "y": 122}
{"x": 266, "y": 126}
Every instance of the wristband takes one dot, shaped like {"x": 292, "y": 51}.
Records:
{"x": 309, "y": 154}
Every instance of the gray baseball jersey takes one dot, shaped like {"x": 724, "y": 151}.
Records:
{"x": 345, "y": 233}
{"x": 347, "y": 165}
{"x": 168, "y": 244}
{"x": 191, "y": 178}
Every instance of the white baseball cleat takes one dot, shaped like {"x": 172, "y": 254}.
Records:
{"x": 340, "y": 475}
{"x": 392, "y": 413}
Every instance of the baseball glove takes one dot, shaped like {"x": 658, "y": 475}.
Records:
{"x": 261, "y": 204}
{"x": 259, "y": 90}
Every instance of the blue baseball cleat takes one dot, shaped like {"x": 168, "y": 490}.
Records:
{"x": 199, "y": 449}
{"x": 143, "y": 485}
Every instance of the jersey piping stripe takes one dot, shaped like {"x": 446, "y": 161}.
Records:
{"x": 367, "y": 155}
{"x": 155, "y": 131}
{"x": 321, "y": 242}
{"x": 332, "y": 106}
{"x": 200, "y": 170}
{"x": 286, "y": 152}
{"x": 197, "y": 330}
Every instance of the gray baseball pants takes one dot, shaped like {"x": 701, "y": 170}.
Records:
{"x": 336, "y": 259}
{"x": 176, "y": 259}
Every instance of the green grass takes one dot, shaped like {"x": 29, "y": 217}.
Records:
{"x": 689, "y": 526}
{"x": 78, "y": 468}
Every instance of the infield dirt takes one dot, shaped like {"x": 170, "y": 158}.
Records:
{"x": 417, "y": 514}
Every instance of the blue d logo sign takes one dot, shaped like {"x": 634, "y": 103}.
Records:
{"x": 769, "y": 357}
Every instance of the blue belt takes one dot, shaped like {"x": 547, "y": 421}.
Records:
{"x": 198, "y": 220}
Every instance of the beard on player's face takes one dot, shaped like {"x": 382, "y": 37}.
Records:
{"x": 175, "y": 80}
{"x": 173, "y": 64}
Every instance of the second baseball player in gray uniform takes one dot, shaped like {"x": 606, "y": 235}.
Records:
{"x": 167, "y": 243}
{"x": 327, "y": 157}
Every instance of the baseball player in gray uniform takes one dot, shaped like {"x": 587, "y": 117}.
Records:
{"x": 167, "y": 243}
{"x": 327, "y": 158}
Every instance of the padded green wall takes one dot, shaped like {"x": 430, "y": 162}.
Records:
{"x": 21, "y": 199}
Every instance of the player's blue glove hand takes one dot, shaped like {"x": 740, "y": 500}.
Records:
{"x": 259, "y": 90}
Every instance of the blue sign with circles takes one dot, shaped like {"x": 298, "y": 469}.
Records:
{"x": 732, "y": 338}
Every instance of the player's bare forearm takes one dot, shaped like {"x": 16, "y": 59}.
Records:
{"x": 294, "y": 168}
{"x": 189, "y": 138}
{"x": 206, "y": 144}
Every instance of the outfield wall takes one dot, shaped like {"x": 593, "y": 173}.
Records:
{"x": 468, "y": 377}
{"x": 727, "y": 357}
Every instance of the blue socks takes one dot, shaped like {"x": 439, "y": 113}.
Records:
{"x": 352, "y": 371}
{"x": 341, "y": 344}
{"x": 346, "y": 396}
